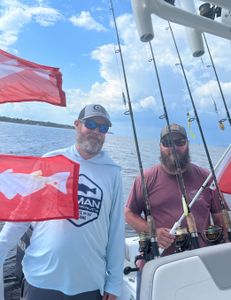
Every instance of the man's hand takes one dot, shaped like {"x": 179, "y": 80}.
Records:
{"x": 164, "y": 239}
{"x": 108, "y": 296}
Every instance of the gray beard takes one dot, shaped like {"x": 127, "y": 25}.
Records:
{"x": 89, "y": 145}
{"x": 169, "y": 160}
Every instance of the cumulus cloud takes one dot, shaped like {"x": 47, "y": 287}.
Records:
{"x": 140, "y": 73}
{"x": 139, "y": 67}
{"x": 209, "y": 92}
{"x": 45, "y": 16}
{"x": 14, "y": 16}
{"x": 86, "y": 21}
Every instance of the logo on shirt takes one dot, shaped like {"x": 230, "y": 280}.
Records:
{"x": 90, "y": 197}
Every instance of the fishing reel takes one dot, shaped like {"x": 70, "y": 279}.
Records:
{"x": 182, "y": 240}
{"x": 145, "y": 253}
{"x": 145, "y": 248}
{"x": 213, "y": 235}
{"x": 172, "y": 2}
{"x": 210, "y": 11}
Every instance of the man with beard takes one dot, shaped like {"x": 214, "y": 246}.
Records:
{"x": 78, "y": 259}
{"x": 165, "y": 195}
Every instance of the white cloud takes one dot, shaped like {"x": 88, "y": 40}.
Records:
{"x": 146, "y": 103}
{"x": 140, "y": 73}
{"x": 8, "y": 38}
{"x": 85, "y": 20}
{"x": 107, "y": 93}
{"x": 14, "y": 16}
{"x": 45, "y": 16}
{"x": 209, "y": 90}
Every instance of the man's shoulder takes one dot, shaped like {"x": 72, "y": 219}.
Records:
{"x": 58, "y": 151}
{"x": 104, "y": 159}
{"x": 152, "y": 170}
{"x": 197, "y": 169}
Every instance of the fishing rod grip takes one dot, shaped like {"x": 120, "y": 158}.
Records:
{"x": 153, "y": 237}
{"x": 194, "y": 241}
{"x": 227, "y": 222}
{"x": 154, "y": 248}
{"x": 193, "y": 230}
{"x": 229, "y": 234}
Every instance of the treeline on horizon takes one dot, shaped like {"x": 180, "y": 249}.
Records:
{"x": 31, "y": 122}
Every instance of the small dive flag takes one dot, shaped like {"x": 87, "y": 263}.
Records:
{"x": 223, "y": 173}
{"x": 22, "y": 80}
{"x": 36, "y": 189}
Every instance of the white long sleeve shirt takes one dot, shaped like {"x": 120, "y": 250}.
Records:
{"x": 75, "y": 256}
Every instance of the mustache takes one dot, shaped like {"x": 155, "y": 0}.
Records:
{"x": 94, "y": 136}
{"x": 169, "y": 160}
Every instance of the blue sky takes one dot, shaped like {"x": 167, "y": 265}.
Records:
{"x": 79, "y": 38}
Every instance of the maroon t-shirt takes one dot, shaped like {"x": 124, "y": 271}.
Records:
{"x": 165, "y": 198}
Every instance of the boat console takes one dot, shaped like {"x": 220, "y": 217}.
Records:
{"x": 196, "y": 274}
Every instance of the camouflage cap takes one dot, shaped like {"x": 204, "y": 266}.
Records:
{"x": 175, "y": 128}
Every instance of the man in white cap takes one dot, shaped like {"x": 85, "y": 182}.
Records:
{"x": 78, "y": 259}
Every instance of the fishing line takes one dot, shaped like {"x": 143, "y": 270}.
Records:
{"x": 189, "y": 118}
{"x": 218, "y": 81}
{"x": 223, "y": 208}
{"x": 150, "y": 221}
{"x": 120, "y": 78}
{"x": 189, "y": 217}
{"x": 158, "y": 106}
{"x": 220, "y": 120}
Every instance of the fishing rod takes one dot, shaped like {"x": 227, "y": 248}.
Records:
{"x": 179, "y": 175}
{"x": 224, "y": 211}
{"x": 218, "y": 81}
{"x": 202, "y": 188}
{"x": 153, "y": 249}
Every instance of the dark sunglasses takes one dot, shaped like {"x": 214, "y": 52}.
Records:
{"x": 167, "y": 143}
{"x": 91, "y": 124}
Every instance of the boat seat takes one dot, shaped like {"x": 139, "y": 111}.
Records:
{"x": 199, "y": 274}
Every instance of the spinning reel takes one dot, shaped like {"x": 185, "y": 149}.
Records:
{"x": 144, "y": 247}
{"x": 213, "y": 235}
{"x": 145, "y": 252}
{"x": 182, "y": 239}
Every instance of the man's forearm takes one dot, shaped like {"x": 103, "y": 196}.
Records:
{"x": 136, "y": 221}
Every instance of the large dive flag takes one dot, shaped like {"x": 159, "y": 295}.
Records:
{"x": 22, "y": 80}
{"x": 35, "y": 188}
{"x": 223, "y": 174}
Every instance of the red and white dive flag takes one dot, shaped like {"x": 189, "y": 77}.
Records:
{"x": 22, "y": 80}
{"x": 36, "y": 189}
{"x": 223, "y": 174}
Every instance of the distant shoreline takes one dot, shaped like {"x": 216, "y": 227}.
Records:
{"x": 31, "y": 122}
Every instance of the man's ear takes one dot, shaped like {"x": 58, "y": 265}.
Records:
{"x": 76, "y": 123}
